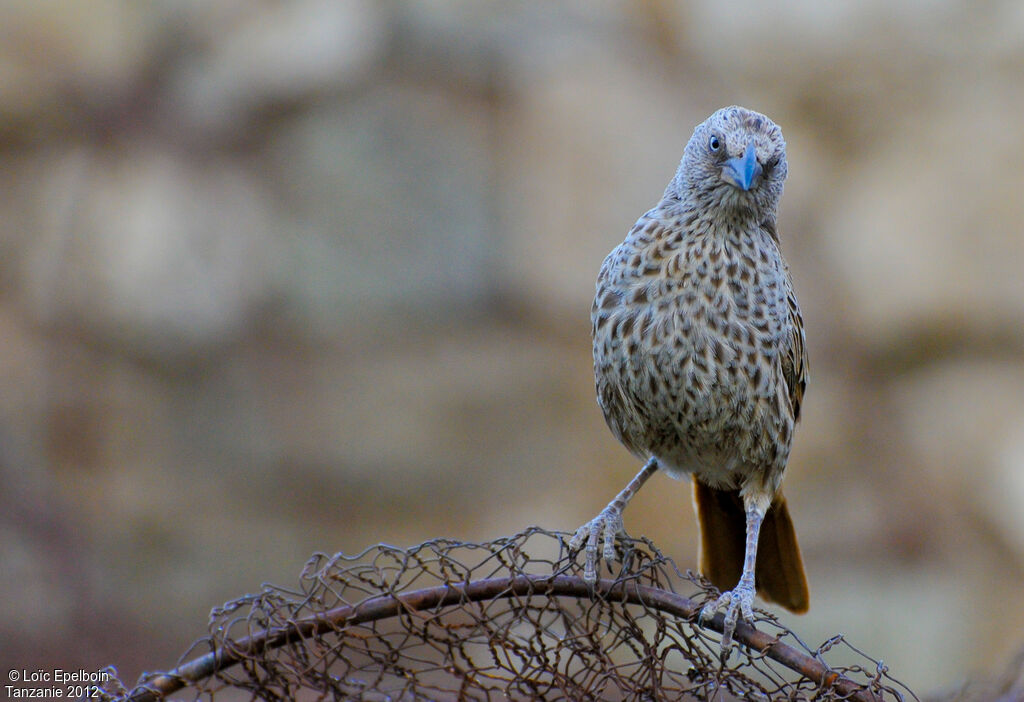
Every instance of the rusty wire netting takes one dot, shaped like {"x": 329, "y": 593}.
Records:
{"x": 508, "y": 619}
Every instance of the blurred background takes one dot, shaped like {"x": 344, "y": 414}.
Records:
{"x": 278, "y": 278}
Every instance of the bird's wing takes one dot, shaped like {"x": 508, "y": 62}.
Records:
{"x": 794, "y": 357}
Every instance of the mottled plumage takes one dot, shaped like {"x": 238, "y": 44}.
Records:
{"x": 699, "y": 353}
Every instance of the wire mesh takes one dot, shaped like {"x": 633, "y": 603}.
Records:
{"x": 507, "y": 619}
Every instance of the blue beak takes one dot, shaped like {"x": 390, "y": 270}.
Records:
{"x": 742, "y": 170}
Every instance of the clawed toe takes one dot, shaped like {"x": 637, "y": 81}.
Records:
{"x": 608, "y": 524}
{"x": 603, "y": 528}
{"x": 738, "y": 603}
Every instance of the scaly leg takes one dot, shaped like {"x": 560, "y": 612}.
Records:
{"x": 608, "y": 524}
{"x": 740, "y": 600}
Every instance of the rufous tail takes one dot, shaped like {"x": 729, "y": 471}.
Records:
{"x": 779, "y": 573}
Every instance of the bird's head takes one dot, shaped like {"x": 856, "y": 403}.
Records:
{"x": 735, "y": 162}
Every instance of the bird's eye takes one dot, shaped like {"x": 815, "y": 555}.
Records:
{"x": 714, "y": 143}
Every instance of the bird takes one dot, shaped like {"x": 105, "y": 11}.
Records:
{"x": 700, "y": 363}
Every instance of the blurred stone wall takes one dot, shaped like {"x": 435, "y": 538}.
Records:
{"x": 289, "y": 277}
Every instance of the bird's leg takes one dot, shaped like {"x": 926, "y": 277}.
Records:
{"x": 739, "y": 602}
{"x": 608, "y": 523}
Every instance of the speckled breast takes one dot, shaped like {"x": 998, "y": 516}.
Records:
{"x": 687, "y": 327}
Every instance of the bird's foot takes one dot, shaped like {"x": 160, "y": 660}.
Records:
{"x": 738, "y": 603}
{"x": 604, "y": 527}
